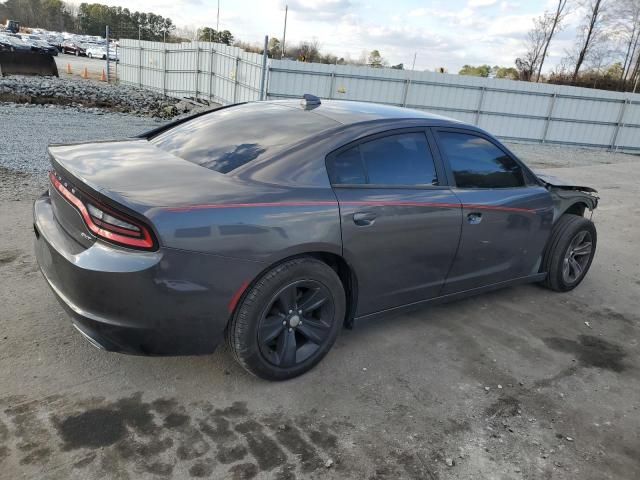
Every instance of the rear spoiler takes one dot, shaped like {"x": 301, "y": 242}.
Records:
{"x": 163, "y": 128}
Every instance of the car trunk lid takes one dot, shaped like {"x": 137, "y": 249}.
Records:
{"x": 140, "y": 176}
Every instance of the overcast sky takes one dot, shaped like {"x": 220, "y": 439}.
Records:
{"x": 447, "y": 33}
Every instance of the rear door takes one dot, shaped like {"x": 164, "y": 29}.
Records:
{"x": 506, "y": 213}
{"x": 400, "y": 222}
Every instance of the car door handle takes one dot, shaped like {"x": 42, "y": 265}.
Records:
{"x": 474, "y": 218}
{"x": 362, "y": 219}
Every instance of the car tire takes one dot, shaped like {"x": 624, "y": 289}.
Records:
{"x": 569, "y": 252}
{"x": 77, "y": 53}
{"x": 89, "y": 55}
{"x": 271, "y": 340}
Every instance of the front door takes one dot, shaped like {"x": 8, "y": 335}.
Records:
{"x": 506, "y": 215}
{"x": 400, "y": 227}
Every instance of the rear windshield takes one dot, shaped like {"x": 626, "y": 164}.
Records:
{"x": 232, "y": 137}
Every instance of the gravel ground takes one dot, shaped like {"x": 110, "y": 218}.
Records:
{"x": 32, "y": 128}
{"x": 27, "y": 130}
{"x": 521, "y": 383}
{"x": 89, "y": 93}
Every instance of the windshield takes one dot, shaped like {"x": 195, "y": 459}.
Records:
{"x": 231, "y": 137}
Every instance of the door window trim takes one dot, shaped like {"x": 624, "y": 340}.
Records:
{"x": 529, "y": 178}
{"x": 443, "y": 181}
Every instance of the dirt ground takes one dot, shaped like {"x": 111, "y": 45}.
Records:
{"x": 522, "y": 383}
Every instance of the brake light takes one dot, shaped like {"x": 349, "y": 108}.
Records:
{"x": 104, "y": 222}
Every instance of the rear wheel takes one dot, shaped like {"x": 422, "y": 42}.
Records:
{"x": 288, "y": 321}
{"x": 569, "y": 253}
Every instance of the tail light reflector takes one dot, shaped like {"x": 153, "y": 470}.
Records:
{"x": 104, "y": 222}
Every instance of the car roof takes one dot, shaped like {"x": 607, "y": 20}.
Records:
{"x": 348, "y": 112}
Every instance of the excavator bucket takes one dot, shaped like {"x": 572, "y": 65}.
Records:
{"x": 27, "y": 63}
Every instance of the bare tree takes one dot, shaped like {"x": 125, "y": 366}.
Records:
{"x": 627, "y": 14}
{"x": 555, "y": 24}
{"x": 536, "y": 39}
{"x": 308, "y": 51}
{"x": 592, "y": 32}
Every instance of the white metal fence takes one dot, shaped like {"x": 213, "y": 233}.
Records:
{"x": 509, "y": 109}
{"x": 215, "y": 71}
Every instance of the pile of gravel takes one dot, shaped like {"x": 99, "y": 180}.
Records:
{"x": 87, "y": 93}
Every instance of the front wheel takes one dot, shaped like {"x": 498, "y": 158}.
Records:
{"x": 569, "y": 252}
{"x": 288, "y": 321}
{"x": 89, "y": 55}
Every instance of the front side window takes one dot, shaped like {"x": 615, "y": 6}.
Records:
{"x": 402, "y": 159}
{"x": 478, "y": 163}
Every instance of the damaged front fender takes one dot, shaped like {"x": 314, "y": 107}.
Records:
{"x": 568, "y": 197}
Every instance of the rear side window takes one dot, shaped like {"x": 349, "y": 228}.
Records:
{"x": 478, "y": 163}
{"x": 232, "y": 137}
{"x": 402, "y": 159}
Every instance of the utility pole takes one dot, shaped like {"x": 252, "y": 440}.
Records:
{"x": 413, "y": 66}
{"x": 284, "y": 34}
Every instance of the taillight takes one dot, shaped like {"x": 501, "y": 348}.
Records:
{"x": 103, "y": 221}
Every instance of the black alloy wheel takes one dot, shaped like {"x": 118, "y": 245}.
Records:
{"x": 288, "y": 319}
{"x": 569, "y": 252}
{"x": 577, "y": 256}
{"x": 296, "y": 323}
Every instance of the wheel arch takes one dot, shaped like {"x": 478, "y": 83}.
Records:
{"x": 342, "y": 268}
{"x": 575, "y": 208}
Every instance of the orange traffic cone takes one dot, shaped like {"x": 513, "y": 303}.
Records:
{"x": 69, "y": 71}
{"x": 85, "y": 73}
{"x": 103, "y": 77}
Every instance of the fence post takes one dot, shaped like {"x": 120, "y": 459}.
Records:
{"x": 332, "y": 84}
{"x": 235, "y": 82}
{"x": 549, "y": 116}
{"x": 140, "y": 63}
{"x": 619, "y": 123}
{"x": 267, "y": 80}
{"x": 211, "y": 73}
{"x": 264, "y": 67}
{"x": 407, "y": 83}
{"x": 164, "y": 71}
{"x": 480, "y": 102}
{"x": 106, "y": 34}
{"x": 197, "y": 67}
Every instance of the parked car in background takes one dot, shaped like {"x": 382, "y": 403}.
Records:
{"x": 100, "y": 52}
{"x": 5, "y": 46}
{"x": 15, "y": 44}
{"x": 56, "y": 41}
{"x": 274, "y": 224}
{"x": 41, "y": 46}
{"x": 74, "y": 48}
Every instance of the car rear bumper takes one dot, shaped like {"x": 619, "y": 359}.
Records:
{"x": 167, "y": 302}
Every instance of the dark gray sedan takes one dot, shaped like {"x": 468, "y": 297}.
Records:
{"x": 275, "y": 224}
